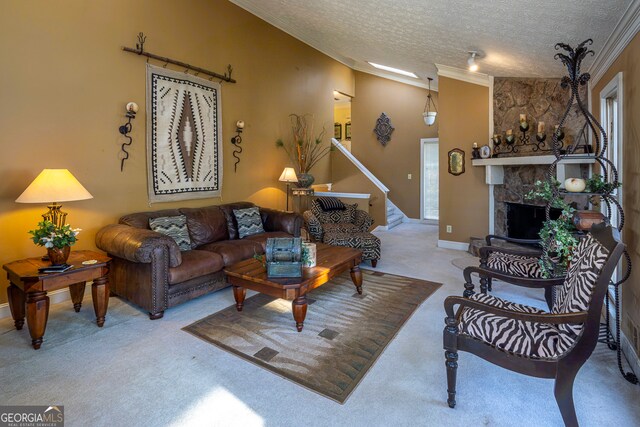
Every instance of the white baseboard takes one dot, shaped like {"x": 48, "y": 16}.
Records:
{"x": 630, "y": 354}
{"x": 55, "y": 297}
{"x": 448, "y": 244}
{"x": 381, "y": 228}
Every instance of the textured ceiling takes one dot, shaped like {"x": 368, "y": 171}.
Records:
{"x": 516, "y": 37}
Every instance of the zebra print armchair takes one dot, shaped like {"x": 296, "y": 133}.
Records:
{"x": 533, "y": 342}
{"x": 515, "y": 266}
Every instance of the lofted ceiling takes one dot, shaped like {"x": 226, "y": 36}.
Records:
{"x": 516, "y": 37}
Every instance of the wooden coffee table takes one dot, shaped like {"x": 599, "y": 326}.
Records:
{"x": 330, "y": 261}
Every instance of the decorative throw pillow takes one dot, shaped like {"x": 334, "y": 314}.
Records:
{"x": 330, "y": 204}
{"x": 249, "y": 221}
{"x": 174, "y": 227}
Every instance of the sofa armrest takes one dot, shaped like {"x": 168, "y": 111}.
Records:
{"x": 136, "y": 244}
{"x": 314, "y": 227}
{"x": 275, "y": 220}
{"x": 363, "y": 220}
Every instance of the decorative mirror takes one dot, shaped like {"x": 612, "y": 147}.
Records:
{"x": 456, "y": 161}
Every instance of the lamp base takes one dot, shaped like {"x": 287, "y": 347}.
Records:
{"x": 55, "y": 215}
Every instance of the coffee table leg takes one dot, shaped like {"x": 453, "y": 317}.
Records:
{"x": 356, "y": 277}
{"x": 100, "y": 296}
{"x": 299, "y": 306}
{"x": 77, "y": 293}
{"x": 16, "y": 304}
{"x": 239, "y": 294}
{"x": 37, "y": 314}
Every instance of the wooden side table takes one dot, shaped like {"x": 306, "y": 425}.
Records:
{"x": 30, "y": 286}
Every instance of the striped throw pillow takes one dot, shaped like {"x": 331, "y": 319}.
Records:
{"x": 330, "y": 204}
{"x": 174, "y": 227}
{"x": 249, "y": 221}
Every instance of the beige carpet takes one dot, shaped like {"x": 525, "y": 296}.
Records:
{"x": 343, "y": 335}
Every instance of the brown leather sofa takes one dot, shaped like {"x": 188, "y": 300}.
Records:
{"x": 149, "y": 269}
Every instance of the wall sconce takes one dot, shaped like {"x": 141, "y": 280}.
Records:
{"x": 236, "y": 141}
{"x": 125, "y": 129}
{"x": 428, "y": 115}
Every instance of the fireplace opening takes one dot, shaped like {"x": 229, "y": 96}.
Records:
{"x": 525, "y": 221}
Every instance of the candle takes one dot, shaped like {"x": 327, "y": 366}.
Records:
{"x": 475, "y": 145}
{"x": 540, "y": 127}
{"x": 523, "y": 118}
{"x": 240, "y": 124}
{"x": 555, "y": 128}
{"x": 509, "y": 132}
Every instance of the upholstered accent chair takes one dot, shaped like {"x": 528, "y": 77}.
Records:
{"x": 534, "y": 342}
{"x": 347, "y": 226}
{"x": 519, "y": 267}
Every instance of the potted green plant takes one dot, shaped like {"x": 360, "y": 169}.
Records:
{"x": 57, "y": 240}
{"x": 304, "y": 149}
{"x": 558, "y": 236}
{"x": 596, "y": 184}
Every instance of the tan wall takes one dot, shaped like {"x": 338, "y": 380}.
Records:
{"x": 404, "y": 104}
{"x": 347, "y": 177}
{"x": 65, "y": 82}
{"x": 629, "y": 63}
{"x": 464, "y": 119}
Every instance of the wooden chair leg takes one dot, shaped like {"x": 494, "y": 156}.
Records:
{"x": 484, "y": 284}
{"x": 489, "y": 283}
{"x": 563, "y": 392}
{"x": 452, "y": 368}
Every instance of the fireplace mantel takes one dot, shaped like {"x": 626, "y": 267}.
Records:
{"x": 568, "y": 167}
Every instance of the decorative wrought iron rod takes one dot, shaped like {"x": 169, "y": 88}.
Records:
{"x": 225, "y": 77}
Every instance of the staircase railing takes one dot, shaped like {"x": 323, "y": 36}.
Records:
{"x": 360, "y": 166}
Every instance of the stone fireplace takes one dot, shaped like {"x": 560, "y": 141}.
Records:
{"x": 517, "y": 182}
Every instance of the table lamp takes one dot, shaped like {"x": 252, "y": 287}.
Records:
{"x": 288, "y": 176}
{"x": 53, "y": 186}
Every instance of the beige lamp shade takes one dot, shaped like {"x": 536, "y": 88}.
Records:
{"x": 288, "y": 175}
{"x": 54, "y": 185}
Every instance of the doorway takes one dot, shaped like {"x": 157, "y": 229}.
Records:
{"x": 342, "y": 118}
{"x": 611, "y": 120}
{"x": 429, "y": 182}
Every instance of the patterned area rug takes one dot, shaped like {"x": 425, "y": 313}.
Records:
{"x": 343, "y": 335}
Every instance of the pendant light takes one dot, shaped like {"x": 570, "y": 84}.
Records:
{"x": 429, "y": 115}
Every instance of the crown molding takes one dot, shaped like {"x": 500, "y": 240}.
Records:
{"x": 464, "y": 75}
{"x": 277, "y": 22}
{"x": 623, "y": 33}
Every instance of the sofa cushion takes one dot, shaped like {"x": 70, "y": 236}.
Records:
{"x": 249, "y": 221}
{"x": 174, "y": 227}
{"x": 232, "y": 224}
{"x": 340, "y": 227}
{"x": 233, "y": 251}
{"x": 206, "y": 225}
{"x": 262, "y": 237}
{"x": 195, "y": 264}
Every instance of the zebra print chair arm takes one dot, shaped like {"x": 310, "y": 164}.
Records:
{"x": 527, "y": 282}
{"x": 491, "y": 237}
{"x": 485, "y": 251}
{"x": 556, "y": 319}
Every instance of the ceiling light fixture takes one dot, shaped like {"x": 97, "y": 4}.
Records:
{"x": 472, "y": 61}
{"x": 428, "y": 115}
{"x": 393, "y": 70}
